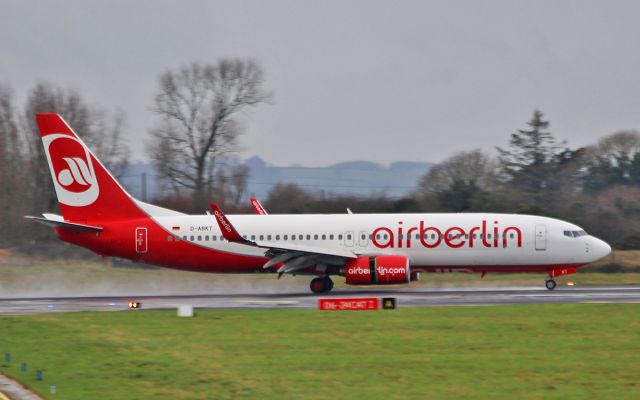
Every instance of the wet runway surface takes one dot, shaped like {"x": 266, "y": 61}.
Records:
{"x": 405, "y": 298}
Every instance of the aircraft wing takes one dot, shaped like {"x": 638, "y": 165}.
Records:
{"x": 294, "y": 257}
{"x": 257, "y": 207}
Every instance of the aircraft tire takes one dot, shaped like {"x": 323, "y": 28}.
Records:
{"x": 550, "y": 284}
{"x": 328, "y": 283}
{"x": 318, "y": 285}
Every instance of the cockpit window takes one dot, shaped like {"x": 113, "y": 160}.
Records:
{"x": 574, "y": 234}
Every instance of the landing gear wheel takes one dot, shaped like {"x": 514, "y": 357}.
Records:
{"x": 329, "y": 283}
{"x": 321, "y": 285}
{"x": 550, "y": 284}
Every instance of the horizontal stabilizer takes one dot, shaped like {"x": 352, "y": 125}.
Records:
{"x": 57, "y": 222}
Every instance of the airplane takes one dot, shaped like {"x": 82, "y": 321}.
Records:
{"x": 366, "y": 249}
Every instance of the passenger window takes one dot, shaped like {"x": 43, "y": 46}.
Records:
{"x": 199, "y": 238}
{"x": 206, "y": 238}
{"x": 340, "y": 237}
{"x": 331, "y": 237}
{"x": 253, "y": 237}
{"x": 512, "y": 236}
{"x": 214, "y": 238}
{"x": 286, "y": 237}
{"x": 349, "y": 236}
{"x": 385, "y": 236}
{"x": 300, "y": 237}
{"x": 170, "y": 238}
{"x": 308, "y": 237}
{"x": 268, "y": 237}
{"x": 277, "y": 237}
{"x": 324, "y": 237}
{"x": 184, "y": 237}
{"x": 261, "y": 237}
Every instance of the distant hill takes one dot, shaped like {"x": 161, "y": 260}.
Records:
{"x": 357, "y": 178}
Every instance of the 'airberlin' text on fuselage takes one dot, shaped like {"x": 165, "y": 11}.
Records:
{"x": 455, "y": 237}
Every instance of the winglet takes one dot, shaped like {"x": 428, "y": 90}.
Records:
{"x": 228, "y": 231}
{"x": 257, "y": 207}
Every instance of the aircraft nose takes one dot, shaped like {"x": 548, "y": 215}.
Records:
{"x": 599, "y": 248}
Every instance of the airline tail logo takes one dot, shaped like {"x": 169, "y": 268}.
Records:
{"x": 72, "y": 170}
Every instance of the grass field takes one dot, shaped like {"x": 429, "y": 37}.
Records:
{"x": 521, "y": 352}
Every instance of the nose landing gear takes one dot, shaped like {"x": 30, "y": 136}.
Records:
{"x": 321, "y": 285}
{"x": 550, "y": 284}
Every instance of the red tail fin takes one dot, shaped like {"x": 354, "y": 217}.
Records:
{"x": 85, "y": 189}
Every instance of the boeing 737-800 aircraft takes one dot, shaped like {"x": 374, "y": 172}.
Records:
{"x": 367, "y": 249}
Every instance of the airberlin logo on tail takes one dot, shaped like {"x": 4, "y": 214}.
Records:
{"x": 71, "y": 169}
{"x": 78, "y": 172}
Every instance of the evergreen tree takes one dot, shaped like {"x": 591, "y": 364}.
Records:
{"x": 529, "y": 161}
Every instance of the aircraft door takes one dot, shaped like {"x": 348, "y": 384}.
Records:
{"x": 541, "y": 237}
{"x": 363, "y": 239}
{"x": 348, "y": 239}
{"x": 141, "y": 240}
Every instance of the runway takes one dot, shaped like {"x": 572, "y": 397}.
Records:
{"x": 405, "y": 298}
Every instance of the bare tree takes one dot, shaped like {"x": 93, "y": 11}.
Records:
{"x": 231, "y": 185}
{"x": 467, "y": 166}
{"x": 12, "y": 167}
{"x": 199, "y": 108}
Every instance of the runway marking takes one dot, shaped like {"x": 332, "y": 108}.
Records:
{"x": 267, "y": 301}
{"x": 3, "y": 396}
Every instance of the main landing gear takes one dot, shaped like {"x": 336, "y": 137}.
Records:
{"x": 550, "y": 283}
{"x": 321, "y": 285}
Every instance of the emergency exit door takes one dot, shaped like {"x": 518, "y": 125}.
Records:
{"x": 541, "y": 237}
{"x": 141, "y": 240}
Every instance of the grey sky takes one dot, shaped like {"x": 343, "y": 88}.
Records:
{"x": 379, "y": 81}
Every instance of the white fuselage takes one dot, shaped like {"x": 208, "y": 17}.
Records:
{"x": 448, "y": 240}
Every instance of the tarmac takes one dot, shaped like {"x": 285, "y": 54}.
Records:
{"x": 427, "y": 297}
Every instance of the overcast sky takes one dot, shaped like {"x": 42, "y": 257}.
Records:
{"x": 368, "y": 80}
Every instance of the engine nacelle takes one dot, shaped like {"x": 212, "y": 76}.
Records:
{"x": 377, "y": 270}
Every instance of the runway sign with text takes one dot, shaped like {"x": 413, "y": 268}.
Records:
{"x": 349, "y": 304}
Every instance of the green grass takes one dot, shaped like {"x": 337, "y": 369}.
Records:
{"x": 521, "y": 351}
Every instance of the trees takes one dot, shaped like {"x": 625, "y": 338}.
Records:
{"x": 199, "y": 108}
{"x": 529, "y": 160}
{"x": 615, "y": 160}
{"x": 459, "y": 182}
{"x": 12, "y": 168}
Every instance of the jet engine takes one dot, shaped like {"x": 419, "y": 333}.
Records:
{"x": 377, "y": 270}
